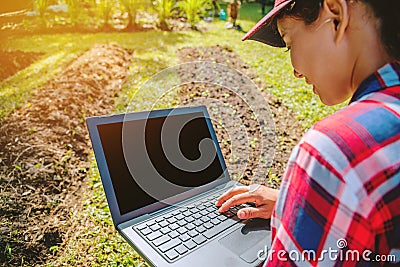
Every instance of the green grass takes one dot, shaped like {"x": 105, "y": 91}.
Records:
{"x": 251, "y": 11}
{"x": 99, "y": 244}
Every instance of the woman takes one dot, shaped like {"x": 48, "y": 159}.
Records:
{"x": 339, "y": 202}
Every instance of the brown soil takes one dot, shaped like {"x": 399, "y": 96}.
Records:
{"x": 44, "y": 146}
{"x": 14, "y": 61}
{"x": 287, "y": 129}
{"x": 44, "y": 154}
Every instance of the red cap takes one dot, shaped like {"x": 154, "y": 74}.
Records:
{"x": 266, "y": 33}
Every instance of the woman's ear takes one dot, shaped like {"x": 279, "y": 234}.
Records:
{"x": 337, "y": 11}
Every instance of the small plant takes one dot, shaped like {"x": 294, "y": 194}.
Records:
{"x": 132, "y": 7}
{"x": 193, "y": 9}
{"x": 8, "y": 251}
{"x": 164, "y": 10}
{"x": 54, "y": 249}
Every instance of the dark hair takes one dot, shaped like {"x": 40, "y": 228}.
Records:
{"x": 387, "y": 11}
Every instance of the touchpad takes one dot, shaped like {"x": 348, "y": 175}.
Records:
{"x": 246, "y": 242}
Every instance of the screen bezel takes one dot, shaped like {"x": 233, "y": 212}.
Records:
{"x": 118, "y": 218}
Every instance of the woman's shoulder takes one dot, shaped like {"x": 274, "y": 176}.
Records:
{"x": 373, "y": 114}
{"x": 360, "y": 129}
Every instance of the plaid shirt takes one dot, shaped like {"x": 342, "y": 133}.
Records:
{"x": 339, "y": 202}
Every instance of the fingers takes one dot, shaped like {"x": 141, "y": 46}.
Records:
{"x": 249, "y": 213}
{"x": 237, "y": 200}
{"x": 230, "y": 193}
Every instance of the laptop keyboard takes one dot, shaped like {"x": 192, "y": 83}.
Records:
{"x": 185, "y": 229}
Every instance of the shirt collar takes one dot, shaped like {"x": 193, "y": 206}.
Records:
{"x": 387, "y": 76}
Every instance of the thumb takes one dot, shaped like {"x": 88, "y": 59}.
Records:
{"x": 249, "y": 213}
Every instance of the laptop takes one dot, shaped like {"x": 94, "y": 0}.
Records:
{"x": 162, "y": 171}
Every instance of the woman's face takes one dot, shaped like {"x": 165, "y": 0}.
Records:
{"x": 324, "y": 63}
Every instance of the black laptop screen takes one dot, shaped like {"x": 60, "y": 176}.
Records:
{"x": 137, "y": 150}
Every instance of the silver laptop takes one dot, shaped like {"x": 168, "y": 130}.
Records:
{"x": 162, "y": 172}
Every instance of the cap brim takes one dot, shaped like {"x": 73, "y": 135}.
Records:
{"x": 264, "y": 31}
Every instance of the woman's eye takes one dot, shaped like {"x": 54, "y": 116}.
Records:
{"x": 287, "y": 49}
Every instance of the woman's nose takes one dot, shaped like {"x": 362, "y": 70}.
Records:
{"x": 297, "y": 74}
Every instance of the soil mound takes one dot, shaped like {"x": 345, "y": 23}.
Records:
{"x": 44, "y": 154}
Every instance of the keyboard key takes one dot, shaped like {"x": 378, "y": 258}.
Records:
{"x": 165, "y": 230}
{"x": 215, "y": 221}
{"x": 190, "y": 244}
{"x": 219, "y": 228}
{"x": 208, "y": 225}
{"x": 174, "y": 226}
{"x": 155, "y": 227}
{"x": 211, "y": 209}
{"x": 170, "y": 244}
{"x": 197, "y": 222}
{"x": 201, "y": 229}
{"x": 222, "y": 217}
{"x": 229, "y": 214}
{"x": 187, "y": 213}
{"x": 216, "y": 212}
{"x": 141, "y": 227}
{"x": 154, "y": 235}
{"x": 207, "y": 204}
{"x": 194, "y": 210}
{"x": 172, "y": 254}
{"x": 190, "y": 226}
{"x": 182, "y": 222}
{"x": 182, "y": 230}
{"x": 200, "y": 239}
{"x": 168, "y": 215}
{"x": 163, "y": 224}
{"x": 179, "y": 217}
{"x": 181, "y": 249}
{"x": 212, "y": 215}
{"x": 197, "y": 215}
{"x": 193, "y": 233}
{"x": 146, "y": 231}
{"x": 205, "y": 219}
{"x": 177, "y": 212}
{"x": 171, "y": 220}
{"x": 160, "y": 219}
{"x": 173, "y": 234}
{"x": 161, "y": 240}
{"x": 184, "y": 237}
{"x": 189, "y": 219}
{"x": 150, "y": 223}
{"x": 204, "y": 212}
{"x": 201, "y": 207}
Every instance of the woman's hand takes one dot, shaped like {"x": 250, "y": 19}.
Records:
{"x": 263, "y": 197}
